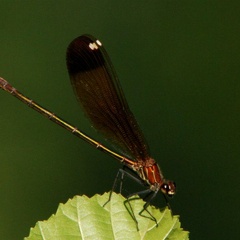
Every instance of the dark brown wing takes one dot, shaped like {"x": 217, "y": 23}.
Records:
{"x": 99, "y": 92}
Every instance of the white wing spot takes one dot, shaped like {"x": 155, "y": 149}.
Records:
{"x": 98, "y": 43}
{"x": 93, "y": 46}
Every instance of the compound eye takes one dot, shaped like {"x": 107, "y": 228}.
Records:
{"x": 165, "y": 188}
{"x": 169, "y": 188}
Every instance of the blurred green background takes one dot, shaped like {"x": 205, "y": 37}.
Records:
{"x": 178, "y": 62}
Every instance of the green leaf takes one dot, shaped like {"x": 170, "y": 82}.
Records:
{"x": 86, "y": 218}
